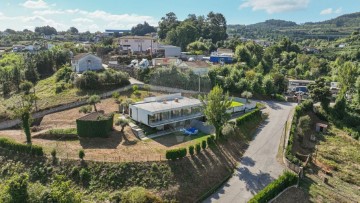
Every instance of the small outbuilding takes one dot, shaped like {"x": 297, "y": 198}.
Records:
{"x": 321, "y": 127}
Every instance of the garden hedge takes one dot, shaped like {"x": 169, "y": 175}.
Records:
{"x": 21, "y": 148}
{"x": 248, "y": 116}
{"x": 95, "y": 128}
{"x": 299, "y": 111}
{"x": 286, "y": 180}
{"x": 174, "y": 154}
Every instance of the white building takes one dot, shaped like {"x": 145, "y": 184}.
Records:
{"x": 169, "y": 51}
{"x": 86, "y": 62}
{"x": 138, "y": 44}
{"x": 167, "y": 111}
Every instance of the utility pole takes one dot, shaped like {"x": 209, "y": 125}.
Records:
{"x": 199, "y": 83}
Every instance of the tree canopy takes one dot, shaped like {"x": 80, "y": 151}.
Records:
{"x": 142, "y": 29}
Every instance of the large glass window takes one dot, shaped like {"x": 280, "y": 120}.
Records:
{"x": 196, "y": 109}
{"x": 175, "y": 113}
{"x": 165, "y": 115}
{"x": 186, "y": 112}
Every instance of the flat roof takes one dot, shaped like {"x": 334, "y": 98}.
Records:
{"x": 160, "y": 106}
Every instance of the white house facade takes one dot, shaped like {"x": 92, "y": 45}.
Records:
{"x": 166, "y": 111}
{"x": 138, "y": 44}
{"x": 86, "y": 62}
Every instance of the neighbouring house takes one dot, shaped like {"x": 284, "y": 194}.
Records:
{"x": 18, "y": 48}
{"x": 342, "y": 45}
{"x": 160, "y": 62}
{"x": 311, "y": 50}
{"x": 300, "y": 84}
{"x": 85, "y": 62}
{"x": 169, "y": 51}
{"x": 138, "y": 44}
{"x": 334, "y": 88}
{"x": 222, "y": 56}
{"x": 198, "y": 67}
{"x": 166, "y": 112}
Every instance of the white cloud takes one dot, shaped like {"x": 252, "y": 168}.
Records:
{"x": 36, "y": 4}
{"x": 326, "y": 11}
{"x": 331, "y": 11}
{"x": 48, "y": 12}
{"x": 275, "y": 6}
{"x": 82, "y": 20}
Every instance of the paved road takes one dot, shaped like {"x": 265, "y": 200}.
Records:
{"x": 258, "y": 167}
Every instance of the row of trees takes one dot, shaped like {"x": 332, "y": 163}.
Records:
{"x": 182, "y": 33}
{"x": 31, "y": 67}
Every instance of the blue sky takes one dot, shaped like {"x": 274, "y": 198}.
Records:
{"x": 97, "y": 15}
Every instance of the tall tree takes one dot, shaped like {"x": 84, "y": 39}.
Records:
{"x": 46, "y": 30}
{"x": 215, "y": 106}
{"x": 167, "y": 23}
{"x": 320, "y": 92}
{"x": 142, "y": 29}
{"x": 73, "y": 30}
{"x": 216, "y": 27}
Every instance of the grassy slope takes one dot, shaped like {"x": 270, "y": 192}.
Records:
{"x": 342, "y": 153}
{"x": 45, "y": 91}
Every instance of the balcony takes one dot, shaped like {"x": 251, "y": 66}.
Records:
{"x": 174, "y": 120}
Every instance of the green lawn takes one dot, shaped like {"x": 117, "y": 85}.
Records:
{"x": 235, "y": 104}
{"x": 179, "y": 139}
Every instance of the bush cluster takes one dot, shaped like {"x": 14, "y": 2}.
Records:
{"x": 273, "y": 189}
{"x": 174, "y": 154}
{"x": 247, "y": 117}
{"x": 21, "y": 148}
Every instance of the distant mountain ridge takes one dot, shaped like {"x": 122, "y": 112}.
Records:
{"x": 272, "y": 29}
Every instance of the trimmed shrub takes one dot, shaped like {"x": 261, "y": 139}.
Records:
{"x": 21, "y": 148}
{"x": 203, "y": 144}
{"x": 198, "y": 148}
{"x": 95, "y": 128}
{"x": 81, "y": 154}
{"x": 53, "y": 153}
{"x": 210, "y": 140}
{"x": 287, "y": 179}
{"x": 174, "y": 154}
{"x": 85, "y": 175}
{"x": 191, "y": 150}
{"x": 247, "y": 117}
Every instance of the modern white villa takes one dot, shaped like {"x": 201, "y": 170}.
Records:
{"x": 167, "y": 111}
{"x": 175, "y": 110}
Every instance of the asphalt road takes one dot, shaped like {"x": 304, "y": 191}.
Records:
{"x": 258, "y": 166}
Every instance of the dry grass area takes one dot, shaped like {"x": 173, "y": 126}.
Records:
{"x": 336, "y": 158}
{"x": 293, "y": 195}
{"x": 117, "y": 147}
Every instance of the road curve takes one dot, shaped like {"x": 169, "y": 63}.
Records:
{"x": 258, "y": 166}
